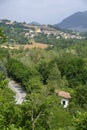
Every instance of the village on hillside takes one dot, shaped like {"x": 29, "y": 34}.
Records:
{"x": 30, "y": 31}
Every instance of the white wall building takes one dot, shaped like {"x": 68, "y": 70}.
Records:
{"x": 65, "y": 96}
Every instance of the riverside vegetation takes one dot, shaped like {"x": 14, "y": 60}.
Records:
{"x": 41, "y": 72}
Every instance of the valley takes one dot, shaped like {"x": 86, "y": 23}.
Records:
{"x": 48, "y": 71}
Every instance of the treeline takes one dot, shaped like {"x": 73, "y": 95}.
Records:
{"x": 57, "y": 74}
{"x": 26, "y": 76}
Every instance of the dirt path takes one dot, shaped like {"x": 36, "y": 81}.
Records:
{"x": 20, "y": 93}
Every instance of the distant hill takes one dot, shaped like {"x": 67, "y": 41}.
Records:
{"x": 76, "y": 22}
{"x": 34, "y": 23}
{"x": 24, "y": 33}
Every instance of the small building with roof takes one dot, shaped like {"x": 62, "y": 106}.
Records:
{"x": 65, "y": 96}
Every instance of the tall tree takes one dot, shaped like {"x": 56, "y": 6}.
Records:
{"x": 35, "y": 112}
{"x": 55, "y": 80}
{"x": 81, "y": 121}
{"x": 2, "y": 37}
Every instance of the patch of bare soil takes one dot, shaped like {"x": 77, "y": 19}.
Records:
{"x": 36, "y": 45}
{"x": 33, "y": 45}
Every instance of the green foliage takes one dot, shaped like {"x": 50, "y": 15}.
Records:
{"x": 14, "y": 33}
{"x": 81, "y": 96}
{"x": 60, "y": 118}
{"x": 34, "y": 84}
{"x": 3, "y": 69}
{"x": 40, "y": 72}
{"x": 13, "y": 127}
{"x": 55, "y": 81}
{"x": 21, "y": 39}
{"x": 44, "y": 71}
{"x": 28, "y": 77}
{"x": 81, "y": 121}
{"x": 15, "y": 69}
{"x": 74, "y": 71}
{"x": 6, "y": 99}
{"x": 51, "y": 39}
{"x": 37, "y": 55}
{"x": 3, "y": 54}
{"x": 2, "y": 37}
{"x": 35, "y": 112}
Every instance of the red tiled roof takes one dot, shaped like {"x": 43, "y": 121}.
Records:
{"x": 64, "y": 94}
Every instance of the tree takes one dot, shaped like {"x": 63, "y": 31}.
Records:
{"x": 35, "y": 113}
{"x": 81, "y": 121}
{"x": 44, "y": 71}
{"x": 12, "y": 127}
{"x": 55, "y": 81}
{"x": 81, "y": 96}
{"x": 54, "y": 78}
{"x": 2, "y": 37}
{"x": 33, "y": 84}
{"x": 3, "y": 69}
{"x": 74, "y": 70}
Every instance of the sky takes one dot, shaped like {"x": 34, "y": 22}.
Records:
{"x": 41, "y": 11}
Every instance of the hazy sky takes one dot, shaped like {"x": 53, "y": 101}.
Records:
{"x": 42, "y": 11}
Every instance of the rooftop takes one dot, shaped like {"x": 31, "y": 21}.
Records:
{"x": 63, "y": 94}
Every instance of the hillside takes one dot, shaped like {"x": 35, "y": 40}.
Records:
{"x": 76, "y": 22}
{"x": 24, "y": 33}
{"x": 54, "y": 81}
{"x": 35, "y": 23}
{"x": 44, "y": 75}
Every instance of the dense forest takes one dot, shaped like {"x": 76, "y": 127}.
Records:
{"x": 41, "y": 72}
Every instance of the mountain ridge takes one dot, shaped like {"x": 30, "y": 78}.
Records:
{"x": 75, "y": 22}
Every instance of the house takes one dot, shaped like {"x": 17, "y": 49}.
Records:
{"x": 65, "y": 96}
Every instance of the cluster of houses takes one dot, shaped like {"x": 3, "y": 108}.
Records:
{"x": 32, "y": 30}
{"x": 31, "y": 33}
